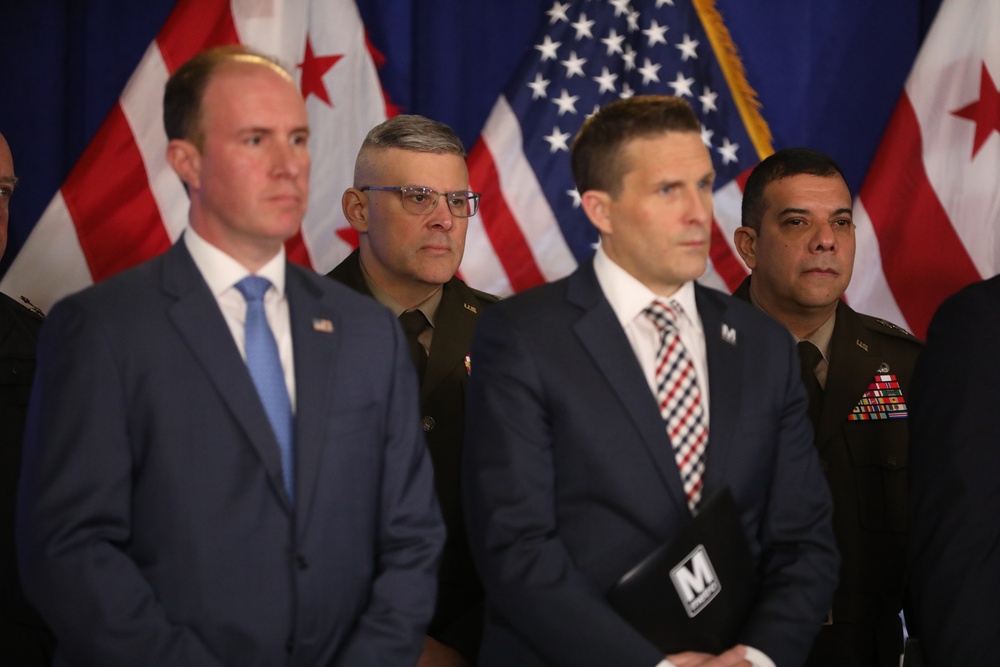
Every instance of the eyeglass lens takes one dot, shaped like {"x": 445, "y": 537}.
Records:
{"x": 423, "y": 200}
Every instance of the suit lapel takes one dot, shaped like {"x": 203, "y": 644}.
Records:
{"x": 198, "y": 320}
{"x": 315, "y": 324}
{"x": 602, "y": 336}
{"x": 853, "y": 364}
{"x": 456, "y": 315}
{"x": 725, "y": 362}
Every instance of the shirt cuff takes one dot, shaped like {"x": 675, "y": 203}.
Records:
{"x": 757, "y": 658}
{"x": 753, "y": 656}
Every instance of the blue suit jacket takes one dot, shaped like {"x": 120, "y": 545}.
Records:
{"x": 154, "y": 525}
{"x": 570, "y": 479}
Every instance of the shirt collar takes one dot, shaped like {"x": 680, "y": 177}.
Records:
{"x": 222, "y": 272}
{"x": 820, "y": 338}
{"x": 428, "y": 306}
{"x": 629, "y": 297}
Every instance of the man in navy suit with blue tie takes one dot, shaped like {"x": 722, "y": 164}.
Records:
{"x": 223, "y": 463}
{"x": 581, "y": 459}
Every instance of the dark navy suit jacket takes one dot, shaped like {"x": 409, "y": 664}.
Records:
{"x": 154, "y": 524}
{"x": 570, "y": 479}
{"x": 953, "y": 546}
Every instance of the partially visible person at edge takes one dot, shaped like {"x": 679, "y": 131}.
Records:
{"x": 953, "y": 548}
{"x": 410, "y": 204}
{"x": 24, "y": 639}
{"x": 798, "y": 241}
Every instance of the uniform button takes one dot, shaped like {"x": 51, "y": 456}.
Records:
{"x": 301, "y": 562}
{"x": 824, "y": 465}
{"x": 891, "y": 460}
{"x": 428, "y": 424}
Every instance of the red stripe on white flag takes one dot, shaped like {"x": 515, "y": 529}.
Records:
{"x": 123, "y": 204}
{"x": 193, "y": 26}
{"x": 925, "y": 261}
{"x": 107, "y": 196}
{"x": 931, "y": 192}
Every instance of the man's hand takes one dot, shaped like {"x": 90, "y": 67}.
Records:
{"x": 436, "y": 654}
{"x": 734, "y": 657}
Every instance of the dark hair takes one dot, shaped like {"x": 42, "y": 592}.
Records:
{"x": 186, "y": 88}
{"x": 785, "y": 163}
{"x": 596, "y": 155}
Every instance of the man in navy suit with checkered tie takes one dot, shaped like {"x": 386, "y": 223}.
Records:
{"x": 579, "y": 462}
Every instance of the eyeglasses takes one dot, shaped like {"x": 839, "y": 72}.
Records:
{"x": 421, "y": 201}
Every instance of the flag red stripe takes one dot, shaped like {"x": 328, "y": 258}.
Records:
{"x": 194, "y": 26}
{"x": 501, "y": 227}
{"x": 922, "y": 267}
{"x": 117, "y": 221}
{"x": 726, "y": 263}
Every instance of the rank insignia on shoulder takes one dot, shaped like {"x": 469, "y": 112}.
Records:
{"x": 894, "y": 327}
{"x": 32, "y": 307}
{"x": 882, "y": 400}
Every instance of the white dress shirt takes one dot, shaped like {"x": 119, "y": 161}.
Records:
{"x": 222, "y": 272}
{"x": 628, "y": 298}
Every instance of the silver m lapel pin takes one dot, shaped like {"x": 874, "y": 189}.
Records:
{"x": 729, "y": 334}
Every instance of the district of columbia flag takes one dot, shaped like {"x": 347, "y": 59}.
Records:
{"x": 122, "y": 204}
{"x": 531, "y": 228}
{"x": 928, "y": 214}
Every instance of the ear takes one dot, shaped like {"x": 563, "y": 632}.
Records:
{"x": 185, "y": 159}
{"x": 355, "y": 205}
{"x": 597, "y": 204}
{"x": 745, "y": 239}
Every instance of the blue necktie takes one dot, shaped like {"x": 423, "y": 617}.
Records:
{"x": 265, "y": 369}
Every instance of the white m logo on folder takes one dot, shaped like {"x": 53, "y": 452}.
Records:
{"x": 695, "y": 581}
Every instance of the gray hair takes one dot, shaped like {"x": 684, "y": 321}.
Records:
{"x": 414, "y": 133}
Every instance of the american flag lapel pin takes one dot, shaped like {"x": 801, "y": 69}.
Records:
{"x": 322, "y": 325}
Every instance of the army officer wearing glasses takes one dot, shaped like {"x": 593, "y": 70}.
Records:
{"x": 411, "y": 205}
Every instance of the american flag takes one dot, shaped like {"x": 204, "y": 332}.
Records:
{"x": 587, "y": 54}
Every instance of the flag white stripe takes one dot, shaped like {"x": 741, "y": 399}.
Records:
{"x": 51, "y": 264}
{"x": 524, "y": 195}
{"x": 142, "y": 105}
{"x": 946, "y": 78}
{"x": 481, "y": 268}
{"x": 869, "y": 291}
{"x": 337, "y": 132}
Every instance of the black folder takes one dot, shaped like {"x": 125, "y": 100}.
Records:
{"x": 695, "y": 593}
